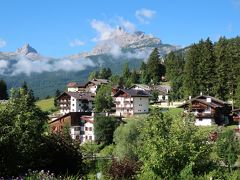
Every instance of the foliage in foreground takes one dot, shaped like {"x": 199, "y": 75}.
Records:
{"x": 24, "y": 145}
{"x": 104, "y": 128}
{"x": 172, "y": 146}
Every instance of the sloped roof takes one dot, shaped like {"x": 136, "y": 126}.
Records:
{"x": 98, "y": 81}
{"x": 75, "y": 84}
{"x": 87, "y": 119}
{"x": 77, "y": 95}
{"x": 163, "y": 88}
{"x": 203, "y": 99}
{"x": 133, "y": 93}
{"x": 143, "y": 86}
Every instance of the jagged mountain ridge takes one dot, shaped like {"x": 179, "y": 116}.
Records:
{"x": 120, "y": 48}
{"x": 123, "y": 41}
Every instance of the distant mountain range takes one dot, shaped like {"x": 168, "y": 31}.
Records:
{"x": 46, "y": 74}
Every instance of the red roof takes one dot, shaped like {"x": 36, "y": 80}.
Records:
{"x": 74, "y": 84}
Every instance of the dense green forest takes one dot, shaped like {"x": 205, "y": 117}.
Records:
{"x": 206, "y": 67}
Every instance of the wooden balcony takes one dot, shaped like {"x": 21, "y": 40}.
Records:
{"x": 204, "y": 115}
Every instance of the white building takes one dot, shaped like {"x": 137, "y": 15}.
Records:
{"x": 76, "y": 87}
{"x": 75, "y": 102}
{"x": 93, "y": 85}
{"x": 87, "y": 128}
{"x": 129, "y": 102}
{"x": 163, "y": 90}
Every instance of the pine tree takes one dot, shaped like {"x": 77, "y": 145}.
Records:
{"x": 206, "y": 68}
{"x": 155, "y": 68}
{"x": 191, "y": 81}
{"x": 221, "y": 53}
{"x": 134, "y": 77}
{"x": 174, "y": 73}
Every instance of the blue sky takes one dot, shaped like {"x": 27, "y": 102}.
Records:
{"x": 63, "y": 27}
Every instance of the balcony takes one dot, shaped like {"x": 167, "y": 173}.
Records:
{"x": 204, "y": 115}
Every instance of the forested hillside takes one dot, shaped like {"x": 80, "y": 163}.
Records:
{"x": 206, "y": 67}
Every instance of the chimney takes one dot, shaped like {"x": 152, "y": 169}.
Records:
{"x": 190, "y": 97}
{"x": 209, "y": 100}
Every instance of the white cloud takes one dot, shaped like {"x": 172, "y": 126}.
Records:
{"x": 144, "y": 15}
{"x": 127, "y": 25}
{"x": 3, "y": 43}
{"x": 76, "y": 42}
{"x": 23, "y": 65}
{"x": 103, "y": 29}
{"x": 3, "y": 66}
{"x": 106, "y": 31}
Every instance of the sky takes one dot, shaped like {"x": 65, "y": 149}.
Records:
{"x": 59, "y": 28}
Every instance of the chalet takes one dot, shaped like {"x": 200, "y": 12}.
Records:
{"x": 75, "y": 102}
{"x": 208, "y": 110}
{"x": 88, "y": 128}
{"x": 93, "y": 85}
{"x": 70, "y": 120}
{"x": 129, "y": 102}
{"x": 163, "y": 91}
{"x": 76, "y": 87}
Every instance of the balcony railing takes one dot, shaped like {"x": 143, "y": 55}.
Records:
{"x": 204, "y": 115}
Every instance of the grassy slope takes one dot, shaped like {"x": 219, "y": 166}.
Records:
{"x": 46, "y": 104}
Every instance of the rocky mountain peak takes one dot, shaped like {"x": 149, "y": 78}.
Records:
{"x": 123, "y": 39}
{"x": 26, "y": 49}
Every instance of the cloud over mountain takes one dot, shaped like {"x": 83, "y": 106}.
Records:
{"x": 144, "y": 15}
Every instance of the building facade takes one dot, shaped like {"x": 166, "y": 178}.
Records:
{"x": 208, "y": 110}
{"x": 130, "y": 102}
{"x": 75, "y": 102}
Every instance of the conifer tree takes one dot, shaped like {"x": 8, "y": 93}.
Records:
{"x": 222, "y": 69}
{"x": 155, "y": 68}
{"x": 191, "y": 82}
{"x": 206, "y": 68}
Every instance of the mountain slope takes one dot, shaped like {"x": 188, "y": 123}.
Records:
{"x": 45, "y": 74}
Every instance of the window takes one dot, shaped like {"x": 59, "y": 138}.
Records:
{"x": 72, "y": 104}
{"x": 90, "y": 128}
{"x": 73, "y": 99}
{"x": 86, "y": 128}
{"x": 86, "y": 137}
{"x": 90, "y": 137}
{"x": 76, "y": 128}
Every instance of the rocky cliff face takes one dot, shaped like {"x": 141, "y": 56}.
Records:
{"x": 25, "y": 51}
{"x": 125, "y": 41}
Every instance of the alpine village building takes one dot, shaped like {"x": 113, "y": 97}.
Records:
{"x": 77, "y": 107}
{"x": 129, "y": 102}
{"x": 162, "y": 90}
{"x": 208, "y": 110}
